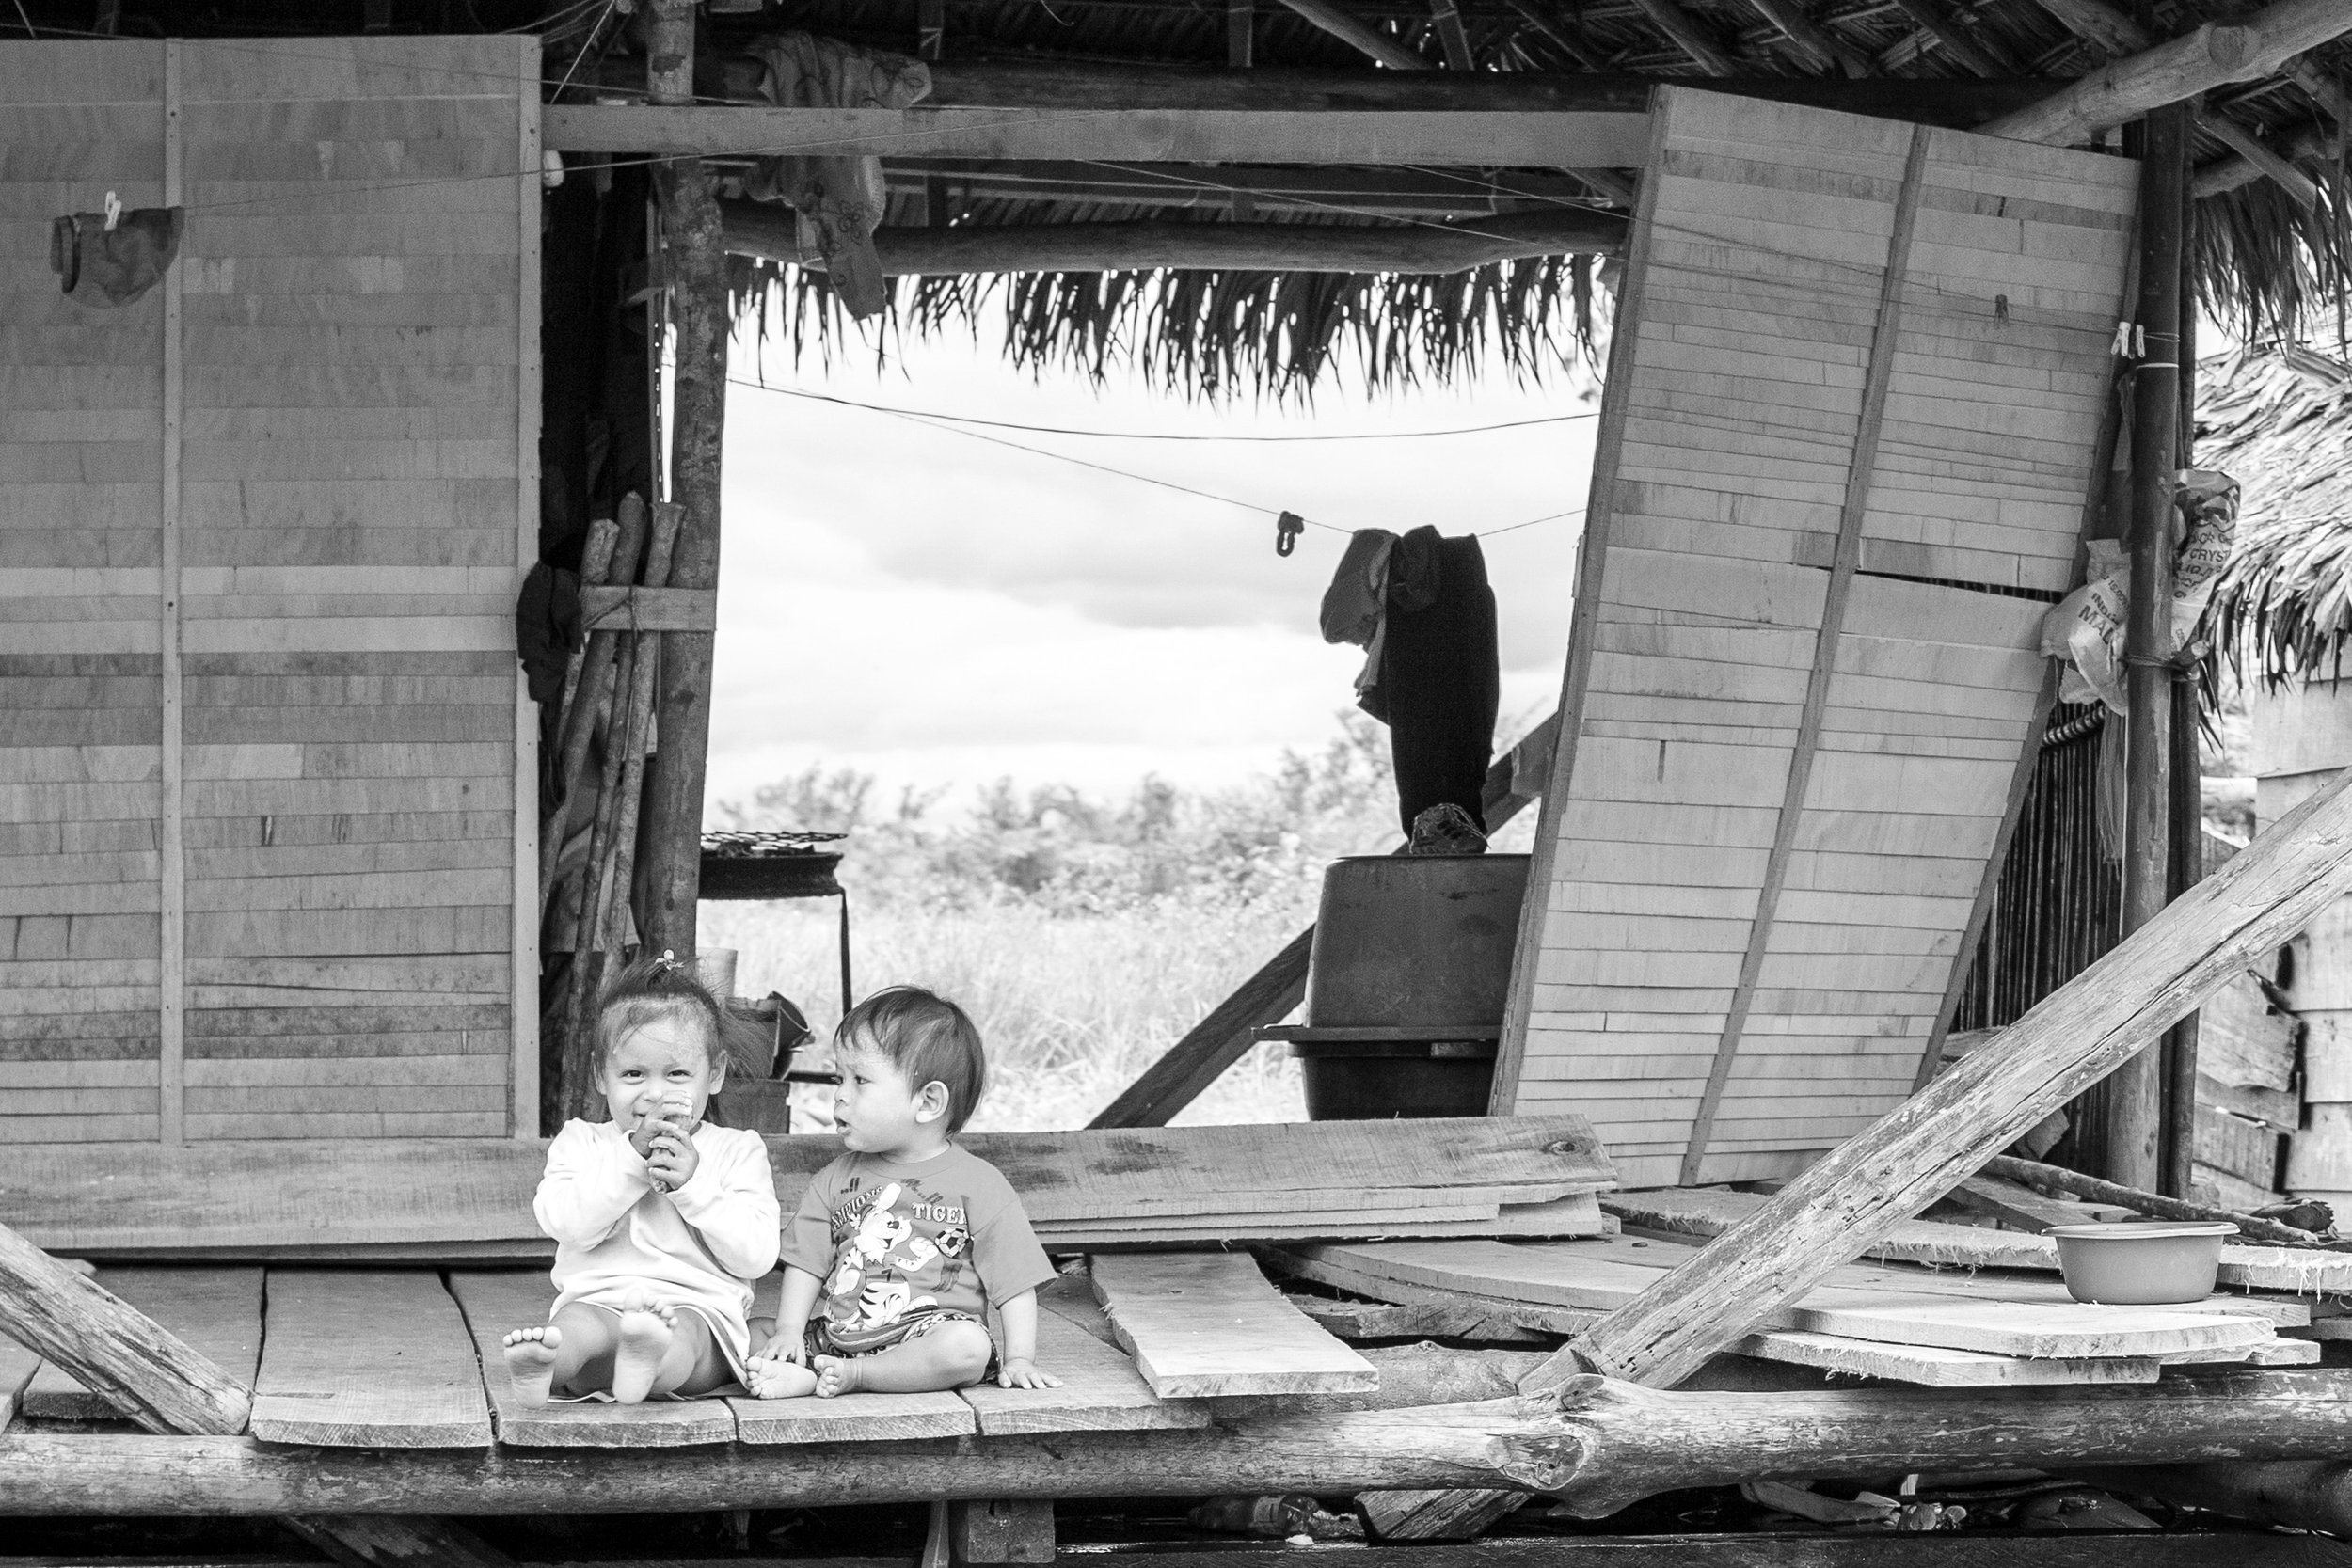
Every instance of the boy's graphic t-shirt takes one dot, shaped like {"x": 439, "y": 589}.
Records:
{"x": 892, "y": 1241}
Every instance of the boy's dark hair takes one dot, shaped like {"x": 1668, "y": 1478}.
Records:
{"x": 665, "y": 986}
{"x": 928, "y": 1039}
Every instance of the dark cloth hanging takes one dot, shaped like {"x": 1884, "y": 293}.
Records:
{"x": 1441, "y": 678}
{"x": 107, "y": 267}
{"x": 548, "y": 628}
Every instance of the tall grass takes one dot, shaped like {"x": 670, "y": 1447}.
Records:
{"x": 1085, "y": 936}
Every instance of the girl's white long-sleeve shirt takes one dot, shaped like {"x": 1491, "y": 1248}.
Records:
{"x": 700, "y": 1246}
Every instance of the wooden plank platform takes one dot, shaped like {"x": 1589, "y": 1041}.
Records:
{"x": 370, "y": 1358}
{"x": 1208, "y": 1324}
{"x": 854, "y": 1419}
{"x": 493, "y": 1302}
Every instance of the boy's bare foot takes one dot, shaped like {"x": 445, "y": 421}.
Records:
{"x": 646, "y": 1329}
{"x": 530, "y": 1362}
{"x": 837, "y": 1374}
{"x": 779, "y": 1379}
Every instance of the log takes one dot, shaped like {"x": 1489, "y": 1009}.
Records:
{"x": 2177, "y": 71}
{"x": 1602, "y": 1446}
{"x": 760, "y": 228}
{"x": 1351, "y": 30}
{"x": 699, "y": 312}
{"x": 112, "y": 1349}
{"x": 1924, "y": 1147}
{"x": 2034, "y": 1173}
{"x": 1223, "y": 1038}
{"x": 2263, "y": 159}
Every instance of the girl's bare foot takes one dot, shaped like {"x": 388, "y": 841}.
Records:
{"x": 837, "y": 1374}
{"x": 530, "y": 1362}
{"x": 646, "y": 1329}
{"x": 779, "y": 1379}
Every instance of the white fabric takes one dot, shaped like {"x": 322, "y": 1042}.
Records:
{"x": 699, "y": 1248}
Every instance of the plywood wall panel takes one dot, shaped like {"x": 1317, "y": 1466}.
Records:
{"x": 353, "y": 510}
{"x": 1689, "y": 921}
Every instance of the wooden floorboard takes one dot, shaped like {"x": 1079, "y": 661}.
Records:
{"x": 496, "y": 1300}
{"x": 1204, "y": 1325}
{"x": 218, "y": 1312}
{"x": 1101, "y": 1390}
{"x": 854, "y": 1419}
{"x": 373, "y": 1358}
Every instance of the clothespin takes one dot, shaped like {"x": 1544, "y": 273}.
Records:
{"x": 2130, "y": 342}
{"x": 1287, "y": 528}
{"x": 113, "y": 211}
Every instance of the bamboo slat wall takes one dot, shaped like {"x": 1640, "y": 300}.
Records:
{"x": 1728, "y": 973}
{"x": 257, "y": 564}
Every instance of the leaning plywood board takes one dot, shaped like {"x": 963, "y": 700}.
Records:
{"x": 216, "y": 1311}
{"x": 1207, "y": 1325}
{"x": 1100, "y": 1392}
{"x": 1928, "y": 1366}
{"x": 1569, "y": 1275}
{"x": 266, "y": 526}
{"x": 494, "y": 1303}
{"x": 367, "y": 1359}
{"x": 1709, "y": 1211}
{"x": 1826, "y": 515}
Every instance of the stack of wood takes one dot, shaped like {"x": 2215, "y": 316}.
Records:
{"x": 461, "y": 1200}
{"x": 1937, "y": 1304}
{"x": 606, "y": 715}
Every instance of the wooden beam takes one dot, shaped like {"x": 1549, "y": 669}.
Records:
{"x": 115, "y": 1352}
{"x": 1223, "y": 1038}
{"x": 1550, "y": 27}
{"x": 2179, "y": 70}
{"x": 1861, "y": 471}
{"x": 1600, "y": 1445}
{"x": 2313, "y": 140}
{"x": 1957, "y": 43}
{"x": 1447, "y": 16}
{"x": 1193, "y": 187}
{"x": 757, "y": 228}
{"x": 2263, "y": 160}
{"x": 2101, "y": 25}
{"x": 1344, "y": 25}
{"x": 1921, "y": 1150}
{"x": 1241, "y": 34}
{"x": 695, "y": 241}
{"x": 1574, "y": 139}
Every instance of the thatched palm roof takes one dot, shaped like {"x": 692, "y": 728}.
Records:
{"x": 2278, "y": 419}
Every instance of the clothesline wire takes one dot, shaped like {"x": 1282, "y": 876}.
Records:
{"x": 1260, "y": 509}
{"x": 1152, "y": 435}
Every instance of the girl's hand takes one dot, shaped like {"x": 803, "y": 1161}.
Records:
{"x": 1023, "y": 1374}
{"x": 672, "y": 1158}
{"x": 794, "y": 1349}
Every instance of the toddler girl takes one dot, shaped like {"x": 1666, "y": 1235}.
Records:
{"x": 661, "y": 1220}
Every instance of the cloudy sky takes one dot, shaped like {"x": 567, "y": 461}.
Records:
{"x": 938, "y": 609}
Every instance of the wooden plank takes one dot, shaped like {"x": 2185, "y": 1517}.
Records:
{"x": 17, "y": 1368}
{"x": 367, "y": 1358}
{"x": 1554, "y": 139}
{"x": 1100, "y": 1392}
{"x": 1207, "y": 1323}
{"x": 172, "y": 982}
{"x": 217, "y": 1312}
{"x": 2242, "y": 1039}
{"x": 495, "y": 1302}
{"x": 853, "y": 1418}
{"x": 1560, "y": 1273}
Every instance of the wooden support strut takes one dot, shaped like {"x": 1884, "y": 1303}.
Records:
{"x": 1348, "y": 28}
{"x": 1921, "y": 1150}
{"x": 1860, "y": 473}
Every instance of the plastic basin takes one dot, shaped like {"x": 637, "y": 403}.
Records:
{"x": 2140, "y": 1262}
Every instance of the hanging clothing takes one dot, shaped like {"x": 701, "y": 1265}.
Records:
{"x": 103, "y": 266}
{"x": 1440, "y": 681}
{"x": 1356, "y": 605}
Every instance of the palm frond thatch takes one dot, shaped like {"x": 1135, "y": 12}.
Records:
{"x": 2278, "y": 419}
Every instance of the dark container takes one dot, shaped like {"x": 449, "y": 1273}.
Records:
{"x": 1416, "y": 942}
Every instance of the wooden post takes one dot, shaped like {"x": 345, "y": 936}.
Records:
{"x": 2187, "y": 804}
{"x": 698, "y": 283}
{"x": 1241, "y": 19}
{"x": 2134, "y": 1097}
{"x": 1924, "y": 1147}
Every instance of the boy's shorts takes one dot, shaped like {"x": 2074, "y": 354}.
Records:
{"x": 817, "y": 1339}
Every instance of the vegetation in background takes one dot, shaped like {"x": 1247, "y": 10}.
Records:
{"x": 1086, "y": 936}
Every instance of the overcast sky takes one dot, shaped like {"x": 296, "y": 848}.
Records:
{"x": 940, "y": 610}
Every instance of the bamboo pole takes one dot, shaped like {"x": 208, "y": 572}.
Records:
{"x": 2133, "y": 1097}
{"x": 698, "y": 274}
{"x": 651, "y": 647}
{"x": 1914, "y": 1154}
{"x": 587, "y": 686}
